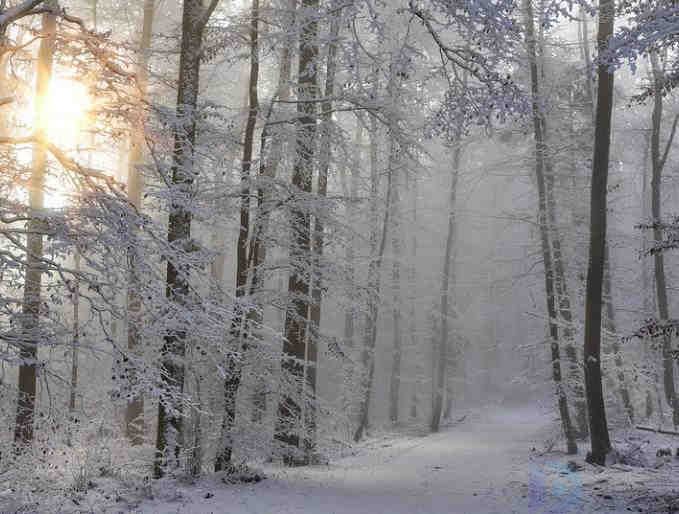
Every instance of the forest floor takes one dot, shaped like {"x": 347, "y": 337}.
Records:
{"x": 495, "y": 461}
{"x": 498, "y": 461}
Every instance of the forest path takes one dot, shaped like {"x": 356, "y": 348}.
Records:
{"x": 482, "y": 465}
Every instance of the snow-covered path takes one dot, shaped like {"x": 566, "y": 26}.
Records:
{"x": 480, "y": 466}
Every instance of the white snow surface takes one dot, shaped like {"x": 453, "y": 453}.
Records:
{"x": 485, "y": 464}
{"x": 498, "y": 460}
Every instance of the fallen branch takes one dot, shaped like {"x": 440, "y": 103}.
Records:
{"x": 658, "y": 431}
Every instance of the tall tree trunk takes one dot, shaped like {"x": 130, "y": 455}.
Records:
{"x": 169, "y": 428}
{"x": 658, "y": 163}
{"x": 607, "y": 296}
{"x": 350, "y": 185}
{"x": 395, "y": 169}
{"x": 396, "y": 227}
{"x": 441, "y": 356}
{"x": 564, "y": 306}
{"x": 598, "y": 426}
{"x": 610, "y": 327}
{"x": 412, "y": 292}
{"x": 268, "y": 167}
{"x": 377, "y": 249}
{"x": 295, "y": 351}
{"x": 31, "y": 333}
{"x": 563, "y": 298}
{"x": 325, "y": 156}
{"x": 566, "y": 313}
{"x": 648, "y": 289}
{"x": 238, "y": 331}
{"x": 540, "y": 170}
{"x": 134, "y": 411}
{"x": 75, "y": 343}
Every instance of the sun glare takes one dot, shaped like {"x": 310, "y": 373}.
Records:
{"x": 67, "y": 107}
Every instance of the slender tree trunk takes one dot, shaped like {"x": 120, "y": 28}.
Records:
{"x": 268, "y": 166}
{"x": 295, "y": 351}
{"x": 607, "y": 296}
{"x": 134, "y": 411}
{"x": 584, "y": 16}
{"x": 598, "y": 426}
{"x": 350, "y": 192}
{"x": 574, "y": 370}
{"x": 396, "y": 227}
{"x": 412, "y": 293}
{"x": 238, "y": 332}
{"x": 540, "y": 170}
{"x": 564, "y": 300}
{"x": 74, "y": 346}
{"x": 610, "y": 327}
{"x": 377, "y": 249}
{"x": 325, "y": 156}
{"x": 31, "y": 333}
{"x": 658, "y": 162}
{"x": 560, "y": 281}
{"x": 441, "y": 356}
{"x": 648, "y": 290}
{"x": 169, "y": 428}
{"x": 395, "y": 169}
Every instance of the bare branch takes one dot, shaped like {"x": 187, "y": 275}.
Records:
{"x": 12, "y": 14}
{"x": 669, "y": 142}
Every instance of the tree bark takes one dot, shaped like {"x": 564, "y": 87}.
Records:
{"x": 615, "y": 345}
{"x": 268, "y": 166}
{"x": 658, "y": 162}
{"x": 540, "y": 170}
{"x": 325, "y": 156}
{"x": 134, "y": 411}
{"x": 412, "y": 293}
{"x": 75, "y": 343}
{"x": 607, "y": 296}
{"x": 396, "y": 227}
{"x": 377, "y": 249}
{"x": 31, "y": 333}
{"x": 239, "y": 333}
{"x": 169, "y": 429}
{"x": 598, "y": 426}
{"x": 441, "y": 357}
{"x": 296, "y": 355}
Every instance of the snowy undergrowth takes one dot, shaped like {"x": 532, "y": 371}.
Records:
{"x": 480, "y": 463}
{"x": 636, "y": 479}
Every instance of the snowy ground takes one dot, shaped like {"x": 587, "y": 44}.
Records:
{"x": 497, "y": 461}
{"x": 488, "y": 463}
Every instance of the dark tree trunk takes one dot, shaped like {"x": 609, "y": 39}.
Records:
{"x": 268, "y": 167}
{"x": 607, "y": 296}
{"x": 562, "y": 293}
{"x": 30, "y": 338}
{"x": 658, "y": 163}
{"x": 540, "y": 169}
{"x": 239, "y": 333}
{"x": 598, "y": 427}
{"x": 297, "y": 355}
{"x": 169, "y": 429}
